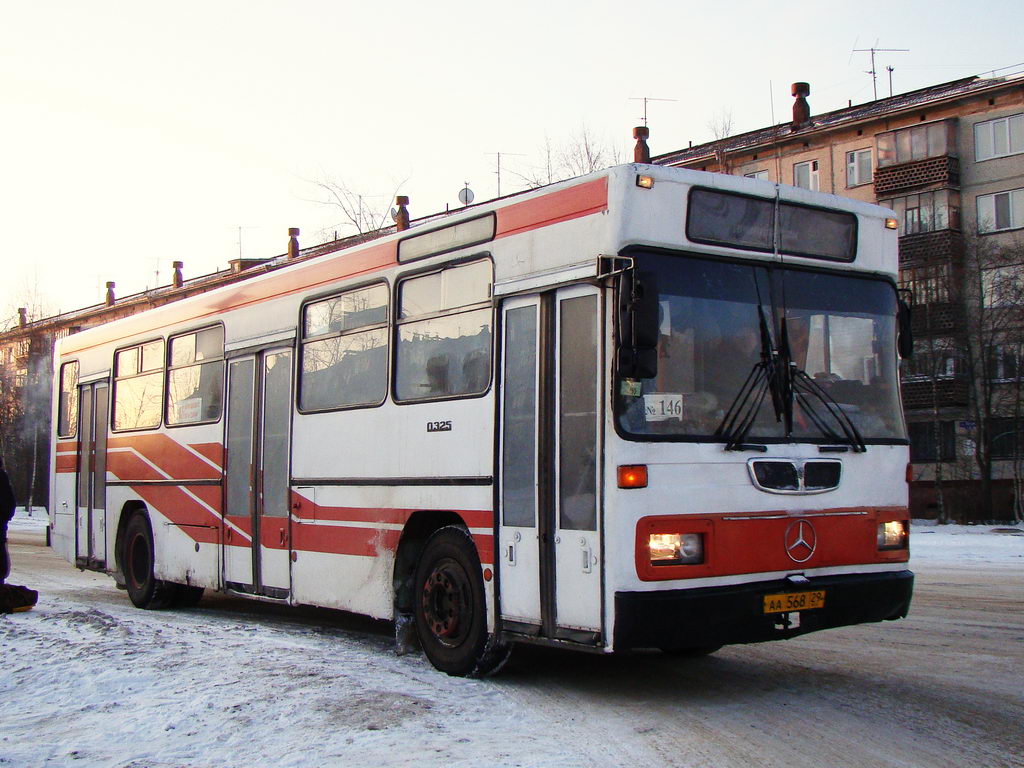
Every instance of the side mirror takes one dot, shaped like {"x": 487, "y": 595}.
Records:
{"x": 638, "y": 325}
{"x": 904, "y": 334}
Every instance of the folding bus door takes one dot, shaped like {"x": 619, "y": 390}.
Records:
{"x": 257, "y": 532}
{"x": 91, "y": 504}
{"x": 549, "y": 532}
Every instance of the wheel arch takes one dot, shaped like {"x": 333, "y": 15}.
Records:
{"x": 420, "y": 527}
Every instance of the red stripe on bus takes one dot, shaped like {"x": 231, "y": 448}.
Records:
{"x": 213, "y": 451}
{"x": 70, "y": 446}
{"x": 305, "y": 509}
{"x": 301, "y": 277}
{"x": 65, "y": 463}
{"x": 125, "y": 465}
{"x": 174, "y": 459}
{"x": 572, "y": 203}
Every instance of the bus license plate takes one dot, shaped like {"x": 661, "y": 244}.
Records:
{"x": 794, "y": 601}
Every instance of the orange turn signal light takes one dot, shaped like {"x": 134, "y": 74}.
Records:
{"x": 892, "y": 224}
{"x": 633, "y": 476}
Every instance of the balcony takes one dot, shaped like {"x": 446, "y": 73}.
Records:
{"x": 925, "y": 394}
{"x": 917, "y": 174}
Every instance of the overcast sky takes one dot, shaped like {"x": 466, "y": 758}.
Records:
{"x": 135, "y": 133}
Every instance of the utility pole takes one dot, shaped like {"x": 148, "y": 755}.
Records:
{"x": 872, "y": 72}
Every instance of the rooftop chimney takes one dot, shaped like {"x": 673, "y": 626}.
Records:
{"x": 641, "y": 152}
{"x": 110, "y": 293}
{"x": 402, "y": 217}
{"x": 293, "y": 242}
{"x": 177, "y": 280}
{"x": 22, "y": 317}
{"x": 801, "y": 109}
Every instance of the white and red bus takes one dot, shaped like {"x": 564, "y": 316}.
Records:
{"x": 645, "y": 408}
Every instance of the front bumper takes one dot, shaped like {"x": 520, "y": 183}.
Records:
{"x": 711, "y": 616}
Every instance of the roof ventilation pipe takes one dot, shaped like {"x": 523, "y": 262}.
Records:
{"x": 801, "y": 109}
{"x": 402, "y": 214}
{"x": 641, "y": 152}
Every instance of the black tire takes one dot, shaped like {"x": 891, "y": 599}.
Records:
{"x": 450, "y": 607}
{"x": 144, "y": 589}
{"x": 691, "y": 652}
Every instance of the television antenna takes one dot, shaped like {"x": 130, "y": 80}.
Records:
{"x": 498, "y": 171}
{"x": 874, "y": 75}
{"x": 646, "y": 99}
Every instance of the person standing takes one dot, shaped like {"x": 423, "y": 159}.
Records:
{"x": 7, "y": 505}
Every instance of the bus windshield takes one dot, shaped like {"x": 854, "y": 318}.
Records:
{"x": 719, "y": 320}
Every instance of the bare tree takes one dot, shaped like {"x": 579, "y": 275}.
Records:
{"x": 366, "y": 214}
{"x": 581, "y": 153}
{"x": 720, "y": 124}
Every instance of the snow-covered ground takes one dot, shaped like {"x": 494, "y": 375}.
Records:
{"x": 88, "y": 680}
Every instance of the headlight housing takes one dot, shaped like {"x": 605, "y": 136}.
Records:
{"x": 676, "y": 548}
{"x": 892, "y": 535}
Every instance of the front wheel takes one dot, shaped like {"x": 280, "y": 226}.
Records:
{"x": 451, "y": 609}
{"x": 144, "y": 589}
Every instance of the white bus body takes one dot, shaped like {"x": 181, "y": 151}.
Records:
{"x": 449, "y": 424}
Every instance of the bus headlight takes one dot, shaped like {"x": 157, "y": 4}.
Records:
{"x": 892, "y": 535}
{"x": 676, "y": 548}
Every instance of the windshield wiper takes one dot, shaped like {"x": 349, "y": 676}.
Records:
{"x": 765, "y": 377}
{"x": 805, "y": 388}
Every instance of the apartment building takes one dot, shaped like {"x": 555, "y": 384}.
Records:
{"x": 949, "y": 160}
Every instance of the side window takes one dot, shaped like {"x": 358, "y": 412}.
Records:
{"x": 138, "y": 385}
{"x": 345, "y": 350}
{"x": 195, "y": 381}
{"x": 67, "y": 408}
{"x": 444, "y": 333}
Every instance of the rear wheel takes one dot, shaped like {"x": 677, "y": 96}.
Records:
{"x": 451, "y": 609}
{"x": 144, "y": 589}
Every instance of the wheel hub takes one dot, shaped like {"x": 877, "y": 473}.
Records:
{"x": 443, "y": 602}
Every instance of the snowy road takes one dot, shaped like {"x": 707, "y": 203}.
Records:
{"x": 90, "y": 681}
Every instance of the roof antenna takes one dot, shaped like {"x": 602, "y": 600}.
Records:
{"x": 872, "y": 72}
{"x": 645, "y": 99}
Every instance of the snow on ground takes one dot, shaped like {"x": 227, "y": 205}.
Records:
{"x": 88, "y": 680}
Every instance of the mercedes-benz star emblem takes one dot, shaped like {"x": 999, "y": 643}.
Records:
{"x": 800, "y": 541}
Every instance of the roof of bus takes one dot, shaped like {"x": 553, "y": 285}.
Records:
{"x": 515, "y": 214}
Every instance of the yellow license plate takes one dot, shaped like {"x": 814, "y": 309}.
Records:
{"x": 794, "y": 601}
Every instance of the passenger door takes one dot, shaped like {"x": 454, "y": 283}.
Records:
{"x": 91, "y": 504}
{"x": 257, "y": 531}
{"x": 549, "y": 460}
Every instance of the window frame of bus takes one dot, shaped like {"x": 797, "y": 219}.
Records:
{"x": 398, "y": 322}
{"x": 162, "y": 370}
{"x": 170, "y": 367}
{"x": 448, "y": 248}
{"x": 771, "y": 200}
{"x": 304, "y": 339}
{"x": 71, "y": 428}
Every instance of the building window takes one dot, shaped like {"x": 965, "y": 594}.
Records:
{"x": 444, "y": 333}
{"x": 1002, "y": 210}
{"x": 926, "y": 212}
{"x": 138, "y": 385}
{"x": 1004, "y": 362}
{"x": 999, "y": 138}
{"x": 756, "y": 175}
{"x": 916, "y": 143}
{"x": 345, "y": 350}
{"x": 1007, "y": 437}
{"x": 195, "y": 382}
{"x": 805, "y": 175}
{"x": 858, "y": 167}
{"x": 932, "y": 441}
